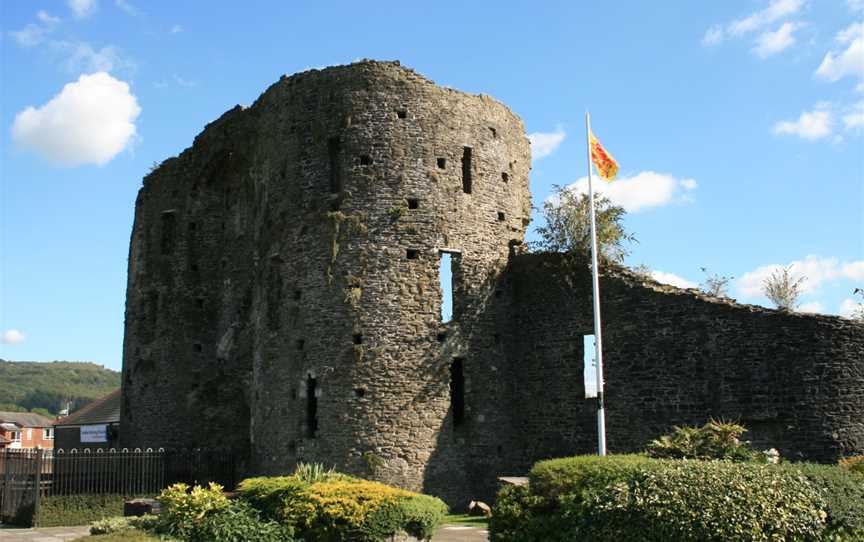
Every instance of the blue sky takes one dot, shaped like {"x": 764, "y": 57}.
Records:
{"x": 737, "y": 125}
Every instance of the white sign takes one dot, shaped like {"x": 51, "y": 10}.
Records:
{"x": 94, "y": 433}
{"x": 589, "y": 366}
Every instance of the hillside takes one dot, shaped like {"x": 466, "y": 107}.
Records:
{"x": 27, "y": 385}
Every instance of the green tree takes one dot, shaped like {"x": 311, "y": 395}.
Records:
{"x": 568, "y": 225}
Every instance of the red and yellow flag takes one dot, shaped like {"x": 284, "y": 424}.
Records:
{"x": 607, "y": 167}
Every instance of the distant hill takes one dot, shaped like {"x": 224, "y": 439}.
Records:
{"x": 27, "y": 385}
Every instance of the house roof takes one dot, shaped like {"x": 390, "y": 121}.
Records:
{"x": 26, "y": 419}
{"x": 103, "y": 410}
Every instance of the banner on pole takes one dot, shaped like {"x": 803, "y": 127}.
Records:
{"x": 589, "y": 367}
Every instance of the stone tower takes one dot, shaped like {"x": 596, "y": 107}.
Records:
{"x": 283, "y": 292}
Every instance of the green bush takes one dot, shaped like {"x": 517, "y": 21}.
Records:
{"x": 67, "y": 510}
{"x": 339, "y": 507}
{"x": 843, "y": 493}
{"x": 714, "y": 440}
{"x": 238, "y": 522}
{"x": 109, "y": 525}
{"x": 635, "y": 498}
{"x": 183, "y": 508}
{"x": 853, "y": 464}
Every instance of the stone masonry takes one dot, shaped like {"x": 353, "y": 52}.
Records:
{"x": 283, "y": 301}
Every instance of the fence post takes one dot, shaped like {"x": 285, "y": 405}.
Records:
{"x": 37, "y": 487}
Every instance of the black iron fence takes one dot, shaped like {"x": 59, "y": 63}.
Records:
{"x": 28, "y": 475}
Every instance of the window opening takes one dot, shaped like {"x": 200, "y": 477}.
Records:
{"x": 445, "y": 280}
{"x": 505, "y": 177}
{"x": 360, "y": 392}
{"x": 300, "y": 344}
{"x": 442, "y": 163}
{"x": 413, "y": 203}
{"x": 357, "y": 338}
{"x": 311, "y": 407}
{"x": 500, "y": 216}
{"x": 412, "y": 253}
{"x": 401, "y": 113}
{"x": 457, "y": 391}
{"x": 589, "y": 366}
{"x": 196, "y": 347}
{"x": 365, "y": 160}
{"x": 466, "y": 170}
{"x": 333, "y": 148}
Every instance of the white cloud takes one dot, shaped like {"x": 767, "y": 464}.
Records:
{"x": 89, "y": 122}
{"x": 126, "y": 6}
{"x": 848, "y": 307}
{"x": 13, "y": 336}
{"x": 771, "y": 43}
{"x": 673, "y": 279}
{"x": 816, "y": 270}
{"x": 855, "y": 117}
{"x": 642, "y": 191}
{"x": 713, "y": 35}
{"x": 82, "y": 8}
{"x": 176, "y": 29}
{"x": 846, "y": 62}
{"x": 855, "y": 5}
{"x": 776, "y": 10}
{"x": 811, "y": 125}
{"x": 29, "y": 36}
{"x": 82, "y": 57}
{"x": 46, "y": 18}
{"x": 545, "y": 143}
{"x": 812, "y": 307}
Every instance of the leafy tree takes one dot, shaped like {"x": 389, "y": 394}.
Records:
{"x": 783, "y": 289}
{"x": 714, "y": 284}
{"x": 568, "y": 225}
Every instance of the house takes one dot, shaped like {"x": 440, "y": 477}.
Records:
{"x": 94, "y": 426}
{"x": 20, "y": 430}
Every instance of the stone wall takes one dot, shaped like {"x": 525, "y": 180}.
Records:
{"x": 283, "y": 299}
{"x": 283, "y": 279}
{"x": 674, "y": 357}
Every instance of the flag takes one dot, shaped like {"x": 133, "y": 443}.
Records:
{"x": 607, "y": 167}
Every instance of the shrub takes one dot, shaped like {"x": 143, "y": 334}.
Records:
{"x": 339, "y": 507}
{"x": 843, "y": 493}
{"x": 637, "y": 498}
{"x": 109, "y": 525}
{"x": 184, "y": 508}
{"x": 147, "y": 522}
{"x": 310, "y": 473}
{"x": 422, "y": 515}
{"x": 238, "y": 522}
{"x": 714, "y": 440}
{"x": 853, "y": 464}
{"x": 66, "y": 510}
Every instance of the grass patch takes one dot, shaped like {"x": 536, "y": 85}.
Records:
{"x": 465, "y": 519}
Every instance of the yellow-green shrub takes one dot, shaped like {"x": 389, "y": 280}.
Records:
{"x": 344, "y": 508}
{"x": 183, "y": 508}
{"x": 853, "y": 464}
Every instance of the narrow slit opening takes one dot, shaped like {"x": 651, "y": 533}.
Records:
{"x": 311, "y": 407}
{"x": 457, "y": 392}
{"x": 445, "y": 281}
{"x": 466, "y": 170}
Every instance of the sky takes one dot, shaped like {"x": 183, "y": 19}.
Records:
{"x": 737, "y": 126}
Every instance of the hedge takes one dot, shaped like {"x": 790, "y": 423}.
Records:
{"x": 340, "y": 507}
{"x": 638, "y": 498}
{"x": 68, "y": 510}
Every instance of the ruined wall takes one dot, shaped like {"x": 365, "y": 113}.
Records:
{"x": 283, "y": 300}
{"x": 303, "y": 307}
{"x": 674, "y": 357}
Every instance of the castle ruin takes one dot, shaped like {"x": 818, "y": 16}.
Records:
{"x": 283, "y": 301}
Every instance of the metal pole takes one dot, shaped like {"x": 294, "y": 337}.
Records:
{"x": 598, "y": 341}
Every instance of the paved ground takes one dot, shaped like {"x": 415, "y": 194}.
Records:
{"x": 448, "y": 533}
{"x": 52, "y": 534}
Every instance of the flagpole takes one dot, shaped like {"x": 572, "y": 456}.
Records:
{"x": 598, "y": 342}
